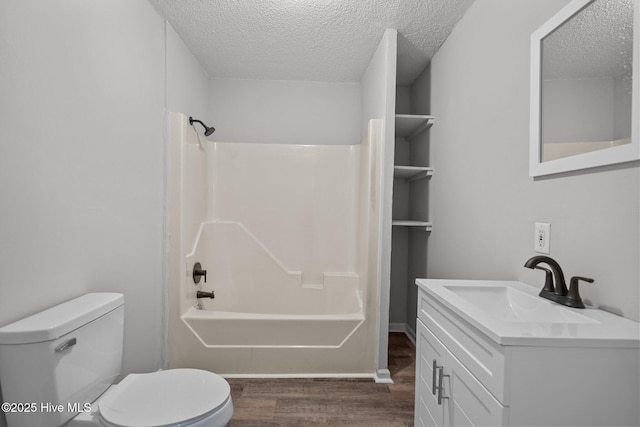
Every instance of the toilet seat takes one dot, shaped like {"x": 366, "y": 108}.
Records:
{"x": 164, "y": 398}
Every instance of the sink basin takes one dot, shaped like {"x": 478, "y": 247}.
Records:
{"x": 512, "y": 305}
{"x": 512, "y": 313}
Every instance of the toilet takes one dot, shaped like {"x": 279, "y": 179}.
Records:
{"x": 58, "y": 367}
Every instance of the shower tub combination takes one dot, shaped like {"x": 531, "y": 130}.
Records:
{"x": 288, "y": 237}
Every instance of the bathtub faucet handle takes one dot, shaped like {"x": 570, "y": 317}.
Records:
{"x": 198, "y": 272}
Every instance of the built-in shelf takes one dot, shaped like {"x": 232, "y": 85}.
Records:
{"x": 412, "y": 173}
{"x": 407, "y": 127}
{"x": 422, "y": 225}
{"x": 410, "y": 125}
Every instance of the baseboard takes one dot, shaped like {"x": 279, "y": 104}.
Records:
{"x": 383, "y": 376}
{"x": 397, "y": 327}
{"x": 411, "y": 334}
{"x": 405, "y": 329}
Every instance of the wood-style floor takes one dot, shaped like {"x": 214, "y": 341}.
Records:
{"x": 330, "y": 402}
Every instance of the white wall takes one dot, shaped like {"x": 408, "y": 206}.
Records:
{"x": 378, "y": 102}
{"x": 483, "y": 203}
{"x": 187, "y": 82}
{"x": 82, "y": 158}
{"x": 81, "y": 161}
{"x": 290, "y": 112}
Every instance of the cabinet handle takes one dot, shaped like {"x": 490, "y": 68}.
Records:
{"x": 440, "y": 376}
{"x": 433, "y": 377}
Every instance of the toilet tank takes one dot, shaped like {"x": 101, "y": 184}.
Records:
{"x": 55, "y": 362}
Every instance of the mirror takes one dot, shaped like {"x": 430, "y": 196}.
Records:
{"x": 584, "y": 87}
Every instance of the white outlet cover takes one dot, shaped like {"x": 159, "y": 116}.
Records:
{"x": 542, "y": 237}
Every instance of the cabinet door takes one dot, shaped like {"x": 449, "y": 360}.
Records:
{"x": 465, "y": 401}
{"x": 429, "y": 348}
{"x": 469, "y": 403}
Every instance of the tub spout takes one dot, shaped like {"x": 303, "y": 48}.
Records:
{"x": 202, "y": 294}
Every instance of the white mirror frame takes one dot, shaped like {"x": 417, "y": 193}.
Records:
{"x": 619, "y": 154}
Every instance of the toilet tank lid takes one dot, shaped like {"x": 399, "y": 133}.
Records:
{"x": 61, "y": 319}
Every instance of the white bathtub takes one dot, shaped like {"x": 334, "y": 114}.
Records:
{"x": 259, "y": 303}
{"x": 234, "y": 329}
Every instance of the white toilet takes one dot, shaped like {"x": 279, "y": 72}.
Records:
{"x": 58, "y": 366}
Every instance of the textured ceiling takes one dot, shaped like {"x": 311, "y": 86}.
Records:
{"x": 313, "y": 40}
{"x": 597, "y": 42}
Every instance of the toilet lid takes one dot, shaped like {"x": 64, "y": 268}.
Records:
{"x": 164, "y": 398}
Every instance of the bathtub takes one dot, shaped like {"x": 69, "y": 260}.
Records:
{"x": 235, "y": 329}
{"x": 216, "y": 328}
{"x": 261, "y": 304}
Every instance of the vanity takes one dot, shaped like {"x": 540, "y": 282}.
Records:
{"x": 494, "y": 353}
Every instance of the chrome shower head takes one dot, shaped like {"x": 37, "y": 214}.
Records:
{"x": 207, "y": 130}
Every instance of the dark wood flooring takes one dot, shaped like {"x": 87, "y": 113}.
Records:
{"x": 330, "y": 402}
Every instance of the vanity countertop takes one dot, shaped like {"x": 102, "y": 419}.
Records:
{"x": 512, "y": 314}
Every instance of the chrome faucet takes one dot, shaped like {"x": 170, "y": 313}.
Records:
{"x": 555, "y": 287}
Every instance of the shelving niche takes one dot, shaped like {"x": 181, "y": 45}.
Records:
{"x": 408, "y": 127}
{"x": 411, "y": 227}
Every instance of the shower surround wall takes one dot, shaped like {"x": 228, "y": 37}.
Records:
{"x": 288, "y": 236}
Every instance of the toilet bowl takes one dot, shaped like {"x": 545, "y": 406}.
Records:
{"x": 65, "y": 360}
{"x": 175, "y": 397}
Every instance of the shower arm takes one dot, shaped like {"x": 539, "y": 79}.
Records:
{"x": 191, "y": 120}
{"x": 207, "y": 130}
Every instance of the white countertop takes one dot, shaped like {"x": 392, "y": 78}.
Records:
{"x": 542, "y": 323}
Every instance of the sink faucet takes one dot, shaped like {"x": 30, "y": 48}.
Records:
{"x": 560, "y": 288}
{"x": 559, "y": 292}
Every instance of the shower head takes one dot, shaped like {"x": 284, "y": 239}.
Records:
{"x": 207, "y": 130}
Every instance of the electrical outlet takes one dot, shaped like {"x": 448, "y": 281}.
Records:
{"x": 542, "y": 237}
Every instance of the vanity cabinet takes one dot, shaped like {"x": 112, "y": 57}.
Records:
{"x": 483, "y": 383}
